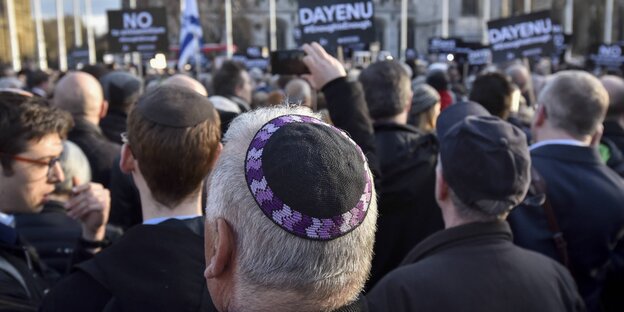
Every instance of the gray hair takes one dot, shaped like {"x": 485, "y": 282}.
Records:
{"x": 575, "y": 102}
{"x": 11, "y": 83}
{"x": 324, "y": 274}
{"x": 299, "y": 91}
{"x": 74, "y": 164}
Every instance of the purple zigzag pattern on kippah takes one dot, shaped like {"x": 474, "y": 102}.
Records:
{"x": 287, "y": 218}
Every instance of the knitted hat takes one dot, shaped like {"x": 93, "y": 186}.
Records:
{"x": 308, "y": 177}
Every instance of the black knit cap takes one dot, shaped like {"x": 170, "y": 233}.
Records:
{"x": 175, "y": 106}
{"x": 308, "y": 177}
{"x": 485, "y": 158}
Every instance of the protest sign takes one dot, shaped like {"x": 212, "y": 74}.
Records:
{"x": 521, "y": 36}
{"x": 606, "y": 57}
{"x": 142, "y": 30}
{"x": 479, "y": 55}
{"x": 336, "y": 22}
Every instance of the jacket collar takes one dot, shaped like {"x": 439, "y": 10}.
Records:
{"x": 466, "y": 233}
{"x": 393, "y": 126}
{"x": 82, "y": 125}
{"x": 568, "y": 153}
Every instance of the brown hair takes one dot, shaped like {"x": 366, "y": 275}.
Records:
{"x": 174, "y": 161}
{"x": 23, "y": 119}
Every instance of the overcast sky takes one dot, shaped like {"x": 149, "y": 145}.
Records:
{"x": 99, "y": 22}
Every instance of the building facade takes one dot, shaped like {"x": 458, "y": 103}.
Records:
{"x": 25, "y": 32}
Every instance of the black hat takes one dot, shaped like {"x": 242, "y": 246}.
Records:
{"x": 175, "y": 106}
{"x": 485, "y": 158}
{"x": 308, "y": 177}
{"x": 456, "y": 113}
{"x": 121, "y": 88}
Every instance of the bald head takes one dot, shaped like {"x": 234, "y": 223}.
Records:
{"x": 298, "y": 90}
{"x": 615, "y": 87}
{"x": 80, "y": 94}
{"x": 519, "y": 75}
{"x": 186, "y": 81}
{"x": 575, "y": 102}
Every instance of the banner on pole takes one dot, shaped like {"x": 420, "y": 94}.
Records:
{"x": 142, "y": 30}
{"x": 521, "y": 36}
{"x": 336, "y": 22}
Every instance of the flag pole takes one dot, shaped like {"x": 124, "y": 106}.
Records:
{"x": 228, "y": 28}
{"x": 15, "y": 53}
{"x": 90, "y": 34}
{"x": 41, "y": 44}
{"x": 60, "y": 28}
{"x": 77, "y": 26}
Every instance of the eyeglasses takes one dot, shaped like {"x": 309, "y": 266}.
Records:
{"x": 50, "y": 163}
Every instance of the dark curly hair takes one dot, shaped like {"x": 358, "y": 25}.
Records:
{"x": 23, "y": 119}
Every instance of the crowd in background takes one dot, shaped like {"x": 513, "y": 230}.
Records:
{"x": 147, "y": 207}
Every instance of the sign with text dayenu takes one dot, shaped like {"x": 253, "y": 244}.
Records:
{"x": 336, "y": 22}
{"x": 141, "y": 30}
{"x": 521, "y": 36}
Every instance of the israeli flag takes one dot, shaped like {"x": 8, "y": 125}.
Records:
{"x": 190, "y": 33}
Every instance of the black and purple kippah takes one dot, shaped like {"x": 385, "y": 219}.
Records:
{"x": 308, "y": 177}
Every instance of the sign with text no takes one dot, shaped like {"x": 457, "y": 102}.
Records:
{"x": 336, "y": 22}
{"x": 142, "y": 30}
{"x": 522, "y": 36}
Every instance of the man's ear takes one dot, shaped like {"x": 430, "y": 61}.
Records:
{"x": 441, "y": 187}
{"x": 540, "y": 115}
{"x": 595, "y": 139}
{"x": 219, "y": 259}
{"x": 127, "y": 161}
{"x": 216, "y": 155}
{"x": 103, "y": 109}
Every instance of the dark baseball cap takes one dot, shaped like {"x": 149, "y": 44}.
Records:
{"x": 485, "y": 160}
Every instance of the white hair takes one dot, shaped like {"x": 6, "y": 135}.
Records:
{"x": 328, "y": 274}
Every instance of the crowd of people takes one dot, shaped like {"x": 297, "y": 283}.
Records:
{"x": 384, "y": 188}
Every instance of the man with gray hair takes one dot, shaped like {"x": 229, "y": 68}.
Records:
{"x": 582, "y": 220}
{"x": 298, "y": 91}
{"x": 472, "y": 265}
{"x": 290, "y": 217}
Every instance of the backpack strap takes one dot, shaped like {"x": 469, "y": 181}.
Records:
{"x": 11, "y": 270}
{"x": 539, "y": 187}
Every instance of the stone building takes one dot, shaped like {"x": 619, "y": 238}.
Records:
{"x": 25, "y": 32}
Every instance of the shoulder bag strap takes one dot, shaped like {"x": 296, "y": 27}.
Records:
{"x": 560, "y": 243}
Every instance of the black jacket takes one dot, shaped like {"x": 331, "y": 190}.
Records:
{"x": 588, "y": 200}
{"x": 23, "y": 286}
{"x": 52, "y": 233}
{"x": 614, "y": 132}
{"x": 348, "y": 111}
{"x": 152, "y": 268}
{"x": 408, "y": 211}
{"x": 475, "y": 267}
{"x": 125, "y": 209}
{"x": 55, "y": 236}
{"x": 113, "y": 124}
{"x": 99, "y": 150}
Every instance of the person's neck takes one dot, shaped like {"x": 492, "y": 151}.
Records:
{"x": 400, "y": 119}
{"x": 94, "y": 120}
{"x": 453, "y": 220}
{"x": 151, "y": 208}
{"x": 257, "y": 300}
{"x": 548, "y": 134}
